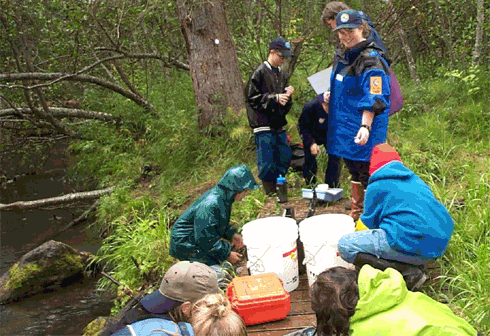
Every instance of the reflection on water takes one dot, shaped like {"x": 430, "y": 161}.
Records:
{"x": 68, "y": 310}
{"x": 65, "y": 312}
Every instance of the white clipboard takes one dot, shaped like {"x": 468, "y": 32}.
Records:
{"x": 321, "y": 80}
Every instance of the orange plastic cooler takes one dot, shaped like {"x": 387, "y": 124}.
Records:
{"x": 259, "y": 298}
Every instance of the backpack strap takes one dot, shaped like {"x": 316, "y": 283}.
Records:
{"x": 185, "y": 329}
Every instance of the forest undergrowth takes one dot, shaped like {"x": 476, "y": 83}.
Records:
{"x": 162, "y": 163}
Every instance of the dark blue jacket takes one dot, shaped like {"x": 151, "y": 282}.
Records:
{"x": 313, "y": 123}
{"x": 401, "y": 204}
{"x": 360, "y": 81}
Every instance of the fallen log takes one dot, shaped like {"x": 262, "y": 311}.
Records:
{"x": 56, "y": 200}
{"x": 61, "y": 112}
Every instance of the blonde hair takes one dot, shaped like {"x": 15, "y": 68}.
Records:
{"x": 212, "y": 315}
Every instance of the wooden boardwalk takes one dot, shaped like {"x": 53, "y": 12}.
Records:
{"x": 299, "y": 317}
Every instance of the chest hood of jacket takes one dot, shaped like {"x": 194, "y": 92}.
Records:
{"x": 379, "y": 291}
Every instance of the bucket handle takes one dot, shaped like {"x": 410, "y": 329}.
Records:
{"x": 311, "y": 256}
{"x": 268, "y": 248}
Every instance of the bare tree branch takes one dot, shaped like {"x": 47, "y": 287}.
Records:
{"x": 79, "y": 78}
{"x": 56, "y": 200}
{"x": 61, "y": 112}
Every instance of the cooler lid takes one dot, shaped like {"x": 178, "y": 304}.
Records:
{"x": 257, "y": 287}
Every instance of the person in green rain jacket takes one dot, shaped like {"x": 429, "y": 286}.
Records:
{"x": 378, "y": 303}
{"x": 197, "y": 234}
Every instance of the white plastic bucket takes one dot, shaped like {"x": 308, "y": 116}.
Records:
{"x": 271, "y": 247}
{"x": 320, "y": 236}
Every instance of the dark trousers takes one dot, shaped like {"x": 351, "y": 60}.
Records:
{"x": 359, "y": 171}
{"x": 273, "y": 154}
{"x": 332, "y": 173}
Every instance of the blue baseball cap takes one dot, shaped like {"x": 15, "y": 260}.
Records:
{"x": 348, "y": 18}
{"x": 281, "y": 45}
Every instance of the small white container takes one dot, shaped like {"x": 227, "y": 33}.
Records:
{"x": 330, "y": 195}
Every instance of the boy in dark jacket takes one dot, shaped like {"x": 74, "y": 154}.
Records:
{"x": 313, "y": 126}
{"x": 268, "y": 100}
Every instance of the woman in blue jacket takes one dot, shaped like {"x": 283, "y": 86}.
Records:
{"x": 197, "y": 234}
{"x": 359, "y": 101}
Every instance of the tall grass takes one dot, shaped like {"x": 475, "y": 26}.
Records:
{"x": 443, "y": 134}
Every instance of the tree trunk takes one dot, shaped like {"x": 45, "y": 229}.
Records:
{"x": 213, "y": 61}
{"x": 290, "y": 64}
{"x": 446, "y": 36}
{"x": 406, "y": 45}
{"x": 479, "y": 32}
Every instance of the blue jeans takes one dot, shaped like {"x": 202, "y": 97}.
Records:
{"x": 273, "y": 154}
{"x": 374, "y": 242}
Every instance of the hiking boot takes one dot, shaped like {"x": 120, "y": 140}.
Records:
{"x": 269, "y": 187}
{"x": 357, "y": 200}
{"x": 414, "y": 277}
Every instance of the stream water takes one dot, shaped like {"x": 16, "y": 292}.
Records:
{"x": 68, "y": 310}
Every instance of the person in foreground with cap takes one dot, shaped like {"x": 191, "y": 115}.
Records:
{"x": 182, "y": 285}
{"x": 406, "y": 225}
{"x": 197, "y": 234}
{"x": 268, "y": 100}
{"x": 359, "y": 101}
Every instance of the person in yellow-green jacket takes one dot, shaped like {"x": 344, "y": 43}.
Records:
{"x": 378, "y": 303}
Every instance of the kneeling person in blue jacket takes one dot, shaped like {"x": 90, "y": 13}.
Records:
{"x": 197, "y": 234}
{"x": 406, "y": 225}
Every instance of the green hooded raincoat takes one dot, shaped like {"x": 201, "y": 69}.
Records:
{"x": 196, "y": 235}
{"x": 386, "y": 307}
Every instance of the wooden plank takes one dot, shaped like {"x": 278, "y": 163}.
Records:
{"x": 300, "y": 308}
{"x": 300, "y": 295}
{"x": 289, "y": 323}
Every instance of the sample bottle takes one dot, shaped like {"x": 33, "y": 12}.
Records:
{"x": 282, "y": 189}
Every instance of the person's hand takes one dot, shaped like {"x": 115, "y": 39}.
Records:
{"x": 325, "y": 107}
{"x": 314, "y": 149}
{"x": 234, "y": 257}
{"x": 237, "y": 240}
{"x": 326, "y": 97}
{"x": 362, "y": 136}
{"x": 289, "y": 91}
{"x": 282, "y": 98}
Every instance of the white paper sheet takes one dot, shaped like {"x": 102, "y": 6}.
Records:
{"x": 321, "y": 80}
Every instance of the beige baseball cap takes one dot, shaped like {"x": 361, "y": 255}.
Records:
{"x": 184, "y": 281}
{"x": 189, "y": 281}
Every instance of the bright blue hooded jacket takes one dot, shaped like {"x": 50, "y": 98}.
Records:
{"x": 401, "y": 204}
{"x": 196, "y": 235}
{"x": 360, "y": 81}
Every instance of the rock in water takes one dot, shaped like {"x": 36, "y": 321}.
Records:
{"x": 46, "y": 267}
